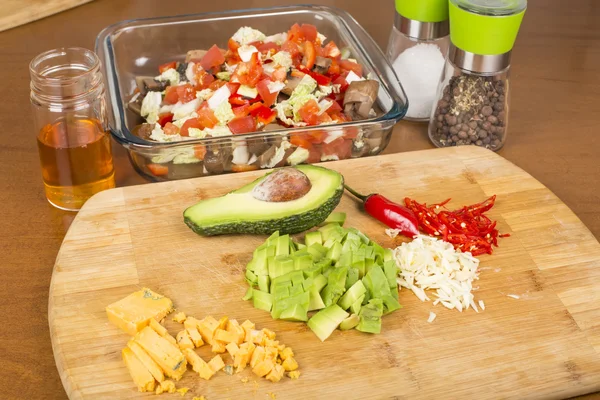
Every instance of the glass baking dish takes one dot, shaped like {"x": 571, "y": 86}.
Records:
{"x": 137, "y": 47}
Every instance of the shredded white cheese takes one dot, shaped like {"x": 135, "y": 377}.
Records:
{"x": 481, "y": 305}
{"x": 432, "y": 316}
{"x": 427, "y": 263}
{"x": 513, "y": 296}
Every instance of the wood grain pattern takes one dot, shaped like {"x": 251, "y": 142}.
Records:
{"x": 545, "y": 344}
{"x": 19, "y": 12}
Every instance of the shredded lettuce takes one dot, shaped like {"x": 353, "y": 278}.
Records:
{"x": 283, "y": 58}
{"x": 224, "y": 113}
{"x": 302, "y": 94}
{"x": 218, "y": 131}
{"x": 170, "y": 75}
{"x": 298, "y": 156}
{"x": 246, "y": 35}
{"x": 150, "y": 106}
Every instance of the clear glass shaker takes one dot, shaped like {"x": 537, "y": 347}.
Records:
{"x": 417, "y": 49}
{"x": 68, "y": 100}
{"x": 472, "y": 104}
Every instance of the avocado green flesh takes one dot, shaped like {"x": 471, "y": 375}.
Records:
{"x": 240, "y": 212}
{"x": 291, "y": 280}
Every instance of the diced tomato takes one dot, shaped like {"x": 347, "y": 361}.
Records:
{"x": 248, "y": 73}
{"x": 331, "y": 50}
{"x": 320, "y": 78}
{"x": 206, "y": 116}
{"x": 334, "y": 69}
{"x": 170, "y": 129}
{"x": 339, "y": 147}
{"x": 300, "y": 141}
{"x": 309, "y": 112}
{"x": 199, "y": 151}
{"x": 171, "y": 96}
{"x": 292, "y": 48}
{"x": 323, "y": 118}
{"x": 243, "y": 167}
{"x": 279, "y": 74}
{"x": 242, "y": 125}
{"x": 309, "y": 32}
{"x": 190, "y": 123}
{"x": 158, "y": 170}
{"x": 212, "y": 58}
{"x": 233, "y": 87}
{"x": 334, "y": 107}
{"x": 163, "y": 67}
{"x": 263, "y": 90}
{"x": 186, "y": 93}
{"x": 350, "y": 132}
{"x": 314, "y": 155}
{"x": 295, "y": 34}
{"x": 208, "y": 79}
{"x": 233, "y": 45}
{"x": 347, "y": 65}
{"x": 263, "y": 113}
{"x": 317, "y": 136}
{"x": 340, "y": 80}
{"x": 252, "y": 108}
{"x": 164, "y": 118}
{"x": 309, "y": 54}
{"x": 241, "y": 111}
{"x": 216, "y": 84}
{"x": 338, "y": 117}
{"x": 238, "y": 100}
{"x": 267, "y": 47}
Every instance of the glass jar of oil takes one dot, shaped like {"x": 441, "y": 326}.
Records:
{"x": 69, "y": 109}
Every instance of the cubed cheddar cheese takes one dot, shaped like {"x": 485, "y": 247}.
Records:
{"x": 290, "y": 364}
{"x": 216, "y": 363}
{"x": 195, "y": 336}
{"x": 257, "y": 356}
{"x": 167, "y": 355}
{"x": 243, "y": 356}
{"x": 184, "y": 341}
{"x": 248, "y": 327}
{"x": 286, "y": 353}
{"x": 276, "y": 373}
{"x": 207, "y": 328}
{"x": 139, "y": 373}
{"x": 225, "y": 336}
{"x": 134, "y": 312}
{"x": 166, "y": 386}
{"x": 232, "y": 349}
{"x": 269, "y": 333}
{"x": 218, "y": 347}
{"x": 257, "y": 337}
{"x": 145, "y": 359}
{"x": 158, "y": 328}
{"x": 191, "y": 323}
{"x": 294, "y": 374}
{"x": 223, "y": 323}
{"x": 263, "y": 368}
{"x": 271, "y": 353}
{"x": 179, "y": 317}
{"x": 198, "y": 364}
{"x": 234, "y": 327}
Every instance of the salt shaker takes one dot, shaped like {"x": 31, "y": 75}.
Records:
{"x": 417, "y": 48}
{"x": 472, "y": 101}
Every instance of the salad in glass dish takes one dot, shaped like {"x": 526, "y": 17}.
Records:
{"x": 290, "y": 79}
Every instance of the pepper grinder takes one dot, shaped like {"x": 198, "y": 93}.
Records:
{"x": 416, "y": 49}
{"x": 472, "y": 102}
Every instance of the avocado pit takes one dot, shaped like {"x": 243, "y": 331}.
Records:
{"x": 285, "y": 184}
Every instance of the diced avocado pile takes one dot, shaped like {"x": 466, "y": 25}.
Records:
{"x": 339, "y": 271}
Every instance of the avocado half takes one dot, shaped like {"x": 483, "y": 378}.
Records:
{"x": 241, "y": 212}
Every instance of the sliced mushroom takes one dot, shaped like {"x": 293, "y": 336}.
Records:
{"x": 290, "y": 84}
{"x": 322, "y": 64}
{"x": 181, "y": 67}
{"x": 257, "y": 146}
{"x": 144, "y": 131}
{"x": 288, "y": 152}
{"x": 136, "y": 105}
{"x": 149, "y": 84}
{"x": 359, "y": 98}
{"x": 213, "y": 162}
{"x": 360, "y": 148}
{"x": 194, "y": 55}
{"x": 267, "y": 155}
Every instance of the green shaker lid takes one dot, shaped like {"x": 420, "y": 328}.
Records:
{"x": 423, "y": 10}
{"x": 486, "y": 27}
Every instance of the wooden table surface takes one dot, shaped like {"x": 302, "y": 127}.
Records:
{"x": 553, "y": 135}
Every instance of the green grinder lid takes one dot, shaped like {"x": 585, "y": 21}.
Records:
{"x": 423, "y": 10}
{"x": 486, "y": 27}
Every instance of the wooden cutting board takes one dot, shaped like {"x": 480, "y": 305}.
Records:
{"x": 545, "y": 344}
{"x": 20, "y": 12}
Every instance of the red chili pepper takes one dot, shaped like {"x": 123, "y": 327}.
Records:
{"x": 468, "y": 229}
{"x": 394, "y": 215}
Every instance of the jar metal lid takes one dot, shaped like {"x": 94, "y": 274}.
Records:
{"x": 421, "y": 30}
{"x": 486, "y": 27}
{"x": 423, "y": 10}
{"x": 484, "y": 64}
